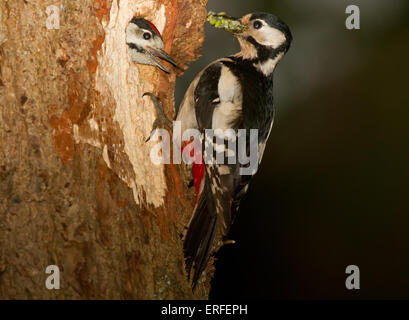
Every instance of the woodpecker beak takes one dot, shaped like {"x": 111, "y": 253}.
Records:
{"x": 161, "y": 54}
{"x": 242, "y": 25}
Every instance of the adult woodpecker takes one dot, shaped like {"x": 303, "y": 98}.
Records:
{"x": 145, "y": 44}
{"x": 235, "y": 92}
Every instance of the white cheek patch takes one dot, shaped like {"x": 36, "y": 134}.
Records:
{"x": 269, "y": 36}
{"x": 156, "y": 42}
{"x": 135, "y": 36}
{"x": 131, "y": 34}
{"x": 136, "y": 41}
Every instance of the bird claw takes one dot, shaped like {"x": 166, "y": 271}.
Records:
{"x": 161, "y": 119}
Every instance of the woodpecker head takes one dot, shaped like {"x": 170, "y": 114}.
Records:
{"x": 145, "y": 44}
{"x": 264, "y": 40}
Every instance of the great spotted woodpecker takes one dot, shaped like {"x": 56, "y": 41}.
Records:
{"x": 235, "y": 93}
{"x": 145, "y": 44}
{"x": 231, "y": 93}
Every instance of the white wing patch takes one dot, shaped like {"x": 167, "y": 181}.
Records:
{"x": 231, "y": 98}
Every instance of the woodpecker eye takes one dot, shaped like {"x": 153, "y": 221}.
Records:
{"x": 146, "y": 36}
{"x": 257, "y": 24}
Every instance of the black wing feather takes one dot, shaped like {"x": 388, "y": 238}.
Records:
{"x": 200, "y": 235}
{"x": 205, "y": 93}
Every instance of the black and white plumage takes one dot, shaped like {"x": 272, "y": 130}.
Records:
{"x": 145, "y": 44}
{"x": 231, "y": 93}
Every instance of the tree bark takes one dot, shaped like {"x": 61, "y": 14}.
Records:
{"x": 77, "y": 186}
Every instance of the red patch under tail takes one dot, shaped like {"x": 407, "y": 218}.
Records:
{"x": 198, "y": 168}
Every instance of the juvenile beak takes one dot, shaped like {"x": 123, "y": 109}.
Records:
{"x": 161, "y": 54}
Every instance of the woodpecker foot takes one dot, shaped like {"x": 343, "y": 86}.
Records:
{"x": 161, "y": 119}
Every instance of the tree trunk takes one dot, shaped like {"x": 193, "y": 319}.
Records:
{"x": 78, "y": 189}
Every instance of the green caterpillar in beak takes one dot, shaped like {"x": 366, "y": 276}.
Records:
{"x": 222, "y": 21}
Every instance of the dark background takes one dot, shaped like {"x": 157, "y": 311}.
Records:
{"x": 332, "y": 189}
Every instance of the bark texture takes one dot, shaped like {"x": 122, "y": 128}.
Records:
{"x": 77, "y": 186}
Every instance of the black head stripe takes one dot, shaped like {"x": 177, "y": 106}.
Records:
{"x": 263, "y": 53}
{"x": 134, "y": 46}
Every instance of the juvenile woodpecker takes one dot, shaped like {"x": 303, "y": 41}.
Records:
{"x": 145, "y": 44}
{"x": 231, "y": 93}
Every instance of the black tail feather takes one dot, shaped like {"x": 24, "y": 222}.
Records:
{"x": 199, "y": 238}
